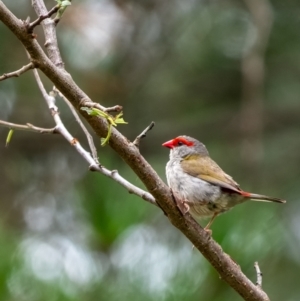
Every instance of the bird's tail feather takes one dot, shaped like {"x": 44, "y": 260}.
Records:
{"x": 262, "y": 198}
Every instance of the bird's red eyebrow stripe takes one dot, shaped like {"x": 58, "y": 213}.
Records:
{"x": 186, "y": 142}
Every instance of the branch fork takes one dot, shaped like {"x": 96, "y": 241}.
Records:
{"x": 32, "y": 25}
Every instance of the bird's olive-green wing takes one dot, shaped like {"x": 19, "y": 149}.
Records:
{"x": 208, "y": 170}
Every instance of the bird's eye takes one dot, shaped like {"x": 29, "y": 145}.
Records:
{"x": 179, "y": 143}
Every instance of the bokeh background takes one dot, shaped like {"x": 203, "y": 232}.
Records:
{"x": 226, "y": 72}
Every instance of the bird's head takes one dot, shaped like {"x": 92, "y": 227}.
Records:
{"x": 183, "y": 146}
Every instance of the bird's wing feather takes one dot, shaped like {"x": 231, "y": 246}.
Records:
{"x": 208, "y": 170}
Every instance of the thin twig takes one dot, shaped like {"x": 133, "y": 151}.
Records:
{"x": 49, "y": 28}
{"x": 86, "y": 132}
{"x": 130, "y": 187}
{"x": 17, "y": 73}
{"x": 90, "y": 104}
{"x": 258, "y": 274}
{"x": 50, "y": 99}
{"x": 94, "y": 165}
{"x": 116, "y": 108}
{"x": 136, "y": 142}
{"x": 27, "y": 127}
{"x": 38, "y": 21}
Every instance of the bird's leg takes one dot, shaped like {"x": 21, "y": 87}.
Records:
{"x": 181, "y": 204}
{"x": 210, "y": 223}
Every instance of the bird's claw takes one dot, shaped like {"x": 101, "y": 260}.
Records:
{"x": 208, "y": 231}
{"x": 185, "y": 207}
{"x": 181, "y": 205}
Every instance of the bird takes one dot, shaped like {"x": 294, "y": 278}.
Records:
{"x": 198, "y": 183}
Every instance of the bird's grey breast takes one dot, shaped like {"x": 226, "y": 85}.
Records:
{"x": 190, "y": 188}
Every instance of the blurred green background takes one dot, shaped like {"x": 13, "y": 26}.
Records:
{"x": 225, "y": 72}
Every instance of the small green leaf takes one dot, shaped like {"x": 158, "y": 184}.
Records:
{"x": 119, "y": 115}
{"x": 112, "y": 121}
{"x": 88, "y": 110}
{"x": 62, "y": 7}
{"x": 121, "y": 121}
{"x": 95, "y": 112}
{"x": 65, "y": 3}
{"x": 104, "y": 141}
{"x": 8, "y": 139}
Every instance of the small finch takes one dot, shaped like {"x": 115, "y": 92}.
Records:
{"x": 199, "y": 184}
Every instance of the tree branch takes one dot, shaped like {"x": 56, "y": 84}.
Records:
{"x": 88, "y": 103}
{"x": 17, "y": 73}
{"x": 94, "y": 164}
{"x": 86, "y": 132}
{"x": 116, "y": 108}
{"x": 27, "y": 127}
{"x": 38, "y": 21}
{"x": 258, "y": 274}
{"x": 49, "y": 28}
{"x": 226, "y": 268}
{"x": 137, "y": 140}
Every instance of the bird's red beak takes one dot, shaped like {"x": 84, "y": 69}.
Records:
{"x": 169, "y": 144}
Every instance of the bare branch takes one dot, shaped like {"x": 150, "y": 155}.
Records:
{"x": 50, "y": 99}
{"x": 116, "y": 108}
{"x": 137, "y": 140}
{"x": 86, "y": 132}
{"x": 258, "y": 274}
{"x": 94, "y": 165}
{"x": 49, "y": 28}
{"x": 17, "y": 73}
{"x": 27, "y": 127}
{"x": 38, "y": 21}
{"x": 130, "y": 187}
{"x": 88, "y": 103}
